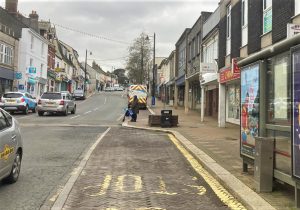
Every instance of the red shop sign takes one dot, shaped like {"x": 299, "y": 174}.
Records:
{"x": 228, "y": 75}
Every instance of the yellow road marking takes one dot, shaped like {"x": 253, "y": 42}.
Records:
{"x": 201, "y": 189}
{"x": 137, "y": 184}
{"x": 219, "y": 190}
{"x": 162, "y": 188}
{"x": 103, "y": 187}
{"x": 149, "y": 208}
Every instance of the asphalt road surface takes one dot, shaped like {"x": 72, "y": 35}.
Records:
{"x": 128, "y": 170}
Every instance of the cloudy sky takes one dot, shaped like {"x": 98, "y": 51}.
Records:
{"x": 119, "y": 20}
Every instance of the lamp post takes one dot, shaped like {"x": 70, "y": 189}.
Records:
{"x": 84, "y": 85}
{"x": 153, "y": 74}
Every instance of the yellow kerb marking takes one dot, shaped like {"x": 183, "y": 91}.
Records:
{"x": 150, "y": 208}
{"x": 219, "y": 190}
{"x": 162, "y": 188}
{"x": 103, "y": 187}
{"x": 137, "y": 184}
{"x": 201, "y": 189}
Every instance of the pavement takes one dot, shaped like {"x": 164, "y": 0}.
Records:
{"x": 217, "y": 149}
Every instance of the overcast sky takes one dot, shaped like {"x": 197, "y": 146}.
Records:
{"x": 117, "y": 20}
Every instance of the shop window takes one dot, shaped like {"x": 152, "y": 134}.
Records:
{"x": 233, "y": 103}
{"x": 279, "y": 94}
{"x": 1, "y": 52}
{"x": 267, "y": 16}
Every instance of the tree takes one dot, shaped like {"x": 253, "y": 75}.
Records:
{"x": 138, "y": 59}
{"x": 121, "y": 76}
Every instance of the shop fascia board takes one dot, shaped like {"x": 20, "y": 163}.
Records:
{"x": 209, "y": 78}
{"x": 268, "y": 52}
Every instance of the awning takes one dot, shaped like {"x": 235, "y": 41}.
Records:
{"x": 180, "y": 81}
{"x": 6, "y": 73}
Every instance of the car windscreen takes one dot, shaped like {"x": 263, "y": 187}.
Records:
{"x": 12, "y": 95}
{"x": 51, "y": 96}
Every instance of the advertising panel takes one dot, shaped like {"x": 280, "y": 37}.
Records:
{"x": 296, "y": 115}
{"x": 249, "y": 109}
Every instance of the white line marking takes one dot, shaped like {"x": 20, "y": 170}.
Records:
{"x": 63, "y": 196}
{"x": 87, "y": 112}
{"x": 96, "y": 109}
{"x": 119, "y": 118}
{"x": 75, "y": 117}
{"x": 150, "y": 110}
{"x": 105, "y": 100}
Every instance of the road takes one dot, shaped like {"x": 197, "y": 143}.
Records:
{"x": 128, "y": 169}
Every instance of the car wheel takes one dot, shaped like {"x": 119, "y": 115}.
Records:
{"x": 66, "y": 112}
{"x": 26, "y": 110}
{"x": 15, "y": 171}
{"x": 41, "y": 113}
{"x": 74, "y": 110}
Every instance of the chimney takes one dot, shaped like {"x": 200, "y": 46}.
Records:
{"x": 11, "y": 6}
{"x": 34, "y": 16}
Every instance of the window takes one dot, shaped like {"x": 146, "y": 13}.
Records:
{"x": 42, "y": 49}
{"x": 297, "y": 7}
{"x": 9, "y": 118}
{"x": 42, "y": 66}
{"x": 194, "y": 48}
{"x": 228, "y": 30}
{"x": 3, "y": 122}
{"x": 31, "y": 62}
{"x": 244, "y": 22}
{"x": 1, "y": 52}
{"x": 6, "y": 54}
{"x": 267, "y": 16}
{"x": 32, "y": 42}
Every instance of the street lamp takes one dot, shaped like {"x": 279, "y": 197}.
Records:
{"x": 84, "y": 85}
{"x": 153, "y": 69}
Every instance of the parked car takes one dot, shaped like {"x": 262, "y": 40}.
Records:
{"x": 11, "y": 148}
{"x": 79, "y": 94}
{"x": 109, "y": 89}
{"x": 17, "y": 101}
{"x": 57, "y": 102}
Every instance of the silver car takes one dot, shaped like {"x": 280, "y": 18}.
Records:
{"x": 11, "y": 148}
{"x": 57, "y": 102}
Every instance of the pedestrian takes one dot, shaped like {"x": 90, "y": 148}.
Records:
{"x": 135, "y": 108}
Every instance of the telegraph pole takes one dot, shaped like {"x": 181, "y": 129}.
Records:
{"x": 84, "y": 84}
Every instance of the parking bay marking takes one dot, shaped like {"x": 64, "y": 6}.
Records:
{"x": 120, "y": 185}
{"x": 75, "y": 117}
{"x": 88, "y": 112}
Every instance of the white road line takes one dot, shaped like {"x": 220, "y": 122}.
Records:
{"x": 62, "y": 197}
{"x": 119, "y": 118}
{"x": 96, "y": 109}
{"x": 75, "y": 117}
{"x": 87, "y": 112}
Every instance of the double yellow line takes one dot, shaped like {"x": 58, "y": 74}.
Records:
{"x": 219, "y": 190}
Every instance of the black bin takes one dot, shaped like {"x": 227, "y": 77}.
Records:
{"x": 165, "y": 119}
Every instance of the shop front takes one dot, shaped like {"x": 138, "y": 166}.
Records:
{"x": 51, "y": 81}
{"x": 270, "y": 90}
{"x": 230, "y": 79}
{"x": 6, "y": 80}
{"x": 180, "y": 84}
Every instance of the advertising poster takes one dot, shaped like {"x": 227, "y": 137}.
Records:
{"x": 249, "y": 109}
{"x": 296, "y": 120}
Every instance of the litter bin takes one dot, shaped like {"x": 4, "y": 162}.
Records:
{"x": 166, "y": 118}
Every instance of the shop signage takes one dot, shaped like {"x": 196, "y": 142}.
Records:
{"x": 228, "y": 75}
{"x": 18, "y": 75}
{"x": 31, "y": 80}
{"x": 21, "y": 87}
{"x": 208, "y": 68}
{"x": 32, "y": 70}
{"x": 249, "y": 109}
{"x": 59, "y": 69}
{"x": 234, "y": 67}
{"x": 296, "y": 114}
{"x": 292, "y": 30}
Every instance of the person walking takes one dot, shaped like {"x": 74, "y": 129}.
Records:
{"x": 135, "y": 108}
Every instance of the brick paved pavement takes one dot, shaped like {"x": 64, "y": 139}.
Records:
{"x": 222, "y": 144}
